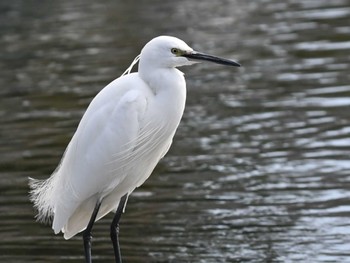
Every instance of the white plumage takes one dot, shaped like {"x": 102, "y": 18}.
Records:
{"x": 127, "y": 128}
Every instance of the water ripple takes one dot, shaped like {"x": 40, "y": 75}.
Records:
{"x": 259, "y": 168}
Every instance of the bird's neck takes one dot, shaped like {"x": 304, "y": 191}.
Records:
{"x": 163, "y": 79}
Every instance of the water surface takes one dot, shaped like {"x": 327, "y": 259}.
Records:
{"x": 259, "y": 169}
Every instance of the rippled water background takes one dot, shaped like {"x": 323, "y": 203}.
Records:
{"x": 259, "y": 170}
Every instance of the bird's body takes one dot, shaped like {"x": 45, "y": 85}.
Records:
{"x": 127, "y": 128}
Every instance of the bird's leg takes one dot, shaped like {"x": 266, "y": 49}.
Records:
{"x": 87, "y": 234}
{"x": 115, "y": 229}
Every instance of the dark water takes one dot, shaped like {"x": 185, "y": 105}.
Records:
{"x": 259, "y": 170}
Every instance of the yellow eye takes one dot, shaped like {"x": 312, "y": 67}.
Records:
{"x": 175, "y": 51}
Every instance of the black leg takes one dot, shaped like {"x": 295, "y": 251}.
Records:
{"x": 115, "y": 229}
{"x": 87, "y": 234}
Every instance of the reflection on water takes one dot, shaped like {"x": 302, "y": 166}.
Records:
{"x": 259, "y": 170}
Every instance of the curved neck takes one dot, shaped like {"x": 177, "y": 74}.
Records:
{"x": 161, "y": 78}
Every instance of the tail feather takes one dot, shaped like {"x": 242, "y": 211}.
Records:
{"x": 79, "y": 220}
{"x": 39, "y": 195}
{"x": 67, "y": 215}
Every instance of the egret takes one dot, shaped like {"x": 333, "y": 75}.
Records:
{"x": 127, "y": 128}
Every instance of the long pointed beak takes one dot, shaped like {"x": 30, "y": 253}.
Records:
{"x": 194, "y": 55}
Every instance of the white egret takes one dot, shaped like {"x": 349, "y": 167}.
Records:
{"x": 127, "y": 128}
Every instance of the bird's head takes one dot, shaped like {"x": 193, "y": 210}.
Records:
{"x": 170, "y": 52}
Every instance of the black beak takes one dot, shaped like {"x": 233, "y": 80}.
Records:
{"x": 204, "y": 57}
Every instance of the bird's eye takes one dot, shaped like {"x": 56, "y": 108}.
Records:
{"x": 175, "y": 51}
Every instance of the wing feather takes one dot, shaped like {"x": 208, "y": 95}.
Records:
{"x": 110, "y": 127}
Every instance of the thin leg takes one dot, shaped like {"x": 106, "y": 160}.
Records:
{"x": 115, "y": 229}
{"x": 87, "y": 234}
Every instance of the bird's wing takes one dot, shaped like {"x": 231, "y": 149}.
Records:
{"x": 110, "y": 130}
{"x": 94, "y": 162}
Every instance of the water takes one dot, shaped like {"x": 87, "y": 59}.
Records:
{"x": 259, "y": 169}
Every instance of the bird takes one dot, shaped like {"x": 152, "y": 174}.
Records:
{"x": 126, "y": 130}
